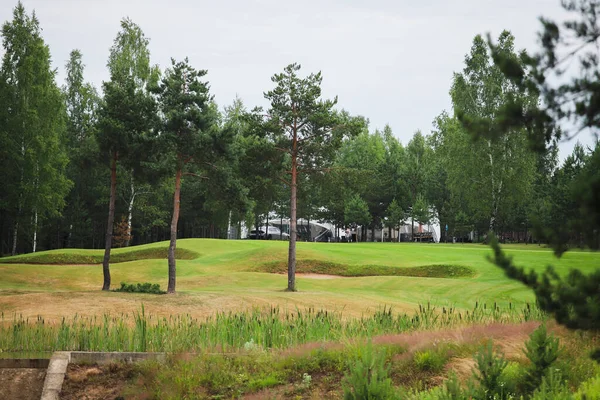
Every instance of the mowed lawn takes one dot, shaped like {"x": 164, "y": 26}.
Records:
{"x": 221, "y": 278}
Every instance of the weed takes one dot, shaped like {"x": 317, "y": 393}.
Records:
{"x": 429, "y": 361}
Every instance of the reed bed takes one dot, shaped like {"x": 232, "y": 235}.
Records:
{"x": 268, "y": 328}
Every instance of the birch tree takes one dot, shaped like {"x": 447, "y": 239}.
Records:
{"x": 490, "y": 169}
{"x": 33, "y": 127}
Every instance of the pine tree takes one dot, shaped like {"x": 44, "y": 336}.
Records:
{"x": 189, "y": 135}
{"x": 126, "y": 116}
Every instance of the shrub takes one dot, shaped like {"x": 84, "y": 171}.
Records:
{"x": 542, "y": 350}
{"x": 368, "y": 377}
{"x": 152, "y": 288}
{"x": 429, "y": 361}
{"x": 552, "y": 387}
{"x": 512, "y": 378}
{"x": 490, "y": 366}
{"x": 589, "y": 390}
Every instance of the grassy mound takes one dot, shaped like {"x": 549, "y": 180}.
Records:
{"x": 330, "y": 268}
{"x": 96, "y": 256}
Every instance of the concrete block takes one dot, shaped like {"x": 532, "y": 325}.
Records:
{"x": 54, "y": 381}
{"x": 58, "y": 366}
{"x": 50, "y": 395}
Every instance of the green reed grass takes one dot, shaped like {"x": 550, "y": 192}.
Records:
{"x": 270, "y": 328}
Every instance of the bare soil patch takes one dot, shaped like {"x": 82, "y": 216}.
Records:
{"x": 21, "y": 383}
{"x": 94, "y": 382}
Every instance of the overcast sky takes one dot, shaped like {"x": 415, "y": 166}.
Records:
{"x": 389, "y": 60}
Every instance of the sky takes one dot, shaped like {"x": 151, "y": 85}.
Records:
{"x": 391, "y": 61}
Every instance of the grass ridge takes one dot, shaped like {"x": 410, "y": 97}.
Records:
{"x": 59, "y": 258}
{"x": 347, "y": 270}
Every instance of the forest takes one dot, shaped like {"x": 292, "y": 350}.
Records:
{"x": 150, "y": 153}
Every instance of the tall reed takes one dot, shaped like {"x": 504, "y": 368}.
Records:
{"x": 228, "y": 331}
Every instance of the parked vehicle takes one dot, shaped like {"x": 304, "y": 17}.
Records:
{"x": 271, "y": 233}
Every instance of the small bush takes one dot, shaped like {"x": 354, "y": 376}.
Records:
{"x": 152, "y": 288}
{"x": 368, "y": 377}
{"x": 589, "y": 390}
{"x": 552, "y": 387}
{"x": 542, "y": 350}
{"x": 490, "y": 366}
{"x": 429, "y": 361}
{"x": 512, "y": 378}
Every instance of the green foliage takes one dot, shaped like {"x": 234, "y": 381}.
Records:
{"x": 32, "y": 120}
{"x": 152, "y": 288}
{"x": 574, "y": 301}
{"x": 429, "y": 361}
{"x": 500, "y": 169}
{"x": 356, "y": 211}
{"x": 368, "y": 377}
{"x": 513, "y": 377}
{"x": 589, "y": 390}
{"x": 552, "y": 387}
{"x": 490, "y": 366}
{"x": 395, "y": 215}
{"x": 542, "y": 350}
{"x": 421, "y": 210}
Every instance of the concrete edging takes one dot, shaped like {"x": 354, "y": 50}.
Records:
{"x": 57, "y": 368}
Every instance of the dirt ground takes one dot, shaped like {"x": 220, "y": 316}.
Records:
{"x": 21, "y": 383}
{"x": 95, "y": 382}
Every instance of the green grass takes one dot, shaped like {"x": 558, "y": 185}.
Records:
{"x": 331, "y": 268}
{"x": 224, "y": 276}
{"x": 79, "y": 256}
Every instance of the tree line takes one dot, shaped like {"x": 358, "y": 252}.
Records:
{"x": 150, "y": 156}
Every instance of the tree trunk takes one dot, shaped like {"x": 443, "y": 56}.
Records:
{"x": 267, "y": 227}
{"x": 412, "y": 228}
{"x": 173, "y": 243}
{"x": 292, "y": 249}
{"x": 229, "y": 228}
{"x": 15, "y": 234}
{"x": 110, "y": 223}
{"x": 130, "y": 213}
{"x": 35, "y": 228}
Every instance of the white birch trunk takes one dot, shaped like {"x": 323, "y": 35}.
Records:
{"x": 35, "y": 227}
{"x": 130, "y": 213}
